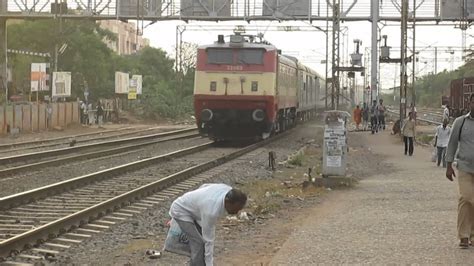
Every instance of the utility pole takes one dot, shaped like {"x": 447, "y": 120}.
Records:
{"x": 374, "y": 56}
{"x": 403, "y": 60}
{"x": 3, "y": 55}
{"x": 436, "y": 61}
{"x": 335, "y": 54}
{"x": 413, "y": 92}
{"x": 327, "y": 58}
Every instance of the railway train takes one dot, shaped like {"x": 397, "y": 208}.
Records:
{"x": 245, "y": 89}
{"x": 459, "y": 92}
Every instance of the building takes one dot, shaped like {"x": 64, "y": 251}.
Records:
{"x": 128, "y": 41}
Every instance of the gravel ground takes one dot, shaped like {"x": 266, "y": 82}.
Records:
{"x": 402, "y": 215}
{"x": 125, "y": 243}
{"x": 49, "y": 175}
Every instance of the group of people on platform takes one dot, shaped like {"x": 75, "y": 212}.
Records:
{"x": 95, "y": 114}
{"x": 454, "y": 146}
{"x": 375, "y": 115}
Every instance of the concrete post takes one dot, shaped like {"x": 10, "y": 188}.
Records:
{"x": 374, "y": 45}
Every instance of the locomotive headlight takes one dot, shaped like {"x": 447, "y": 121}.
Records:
{"x": 206, "y": 115}
{"x": 258, "y": 115}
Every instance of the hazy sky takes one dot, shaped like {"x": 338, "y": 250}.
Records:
{"x": 309, "y": 47}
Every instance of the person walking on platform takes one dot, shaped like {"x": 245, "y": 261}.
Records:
{"x": 100, "y": 114}
{"x": 357, "y": 113}
{"x": 461, "y": 142}
{"x": 365, "y": 116}
{"x": 381, "y": 115}
{"x": 409, "y": 134}
{"x": 441, "y": 141}
{"x": 373, "y": 117}
{"x": 446, "y": 112}
{"x": 196, "y": 214}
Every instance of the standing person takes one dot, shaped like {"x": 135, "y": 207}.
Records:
{"x": 409, "y": 134}
{"x": 357, "y": 113}
{"x": 81, "y": 111}
{"x": 90, "y": 113}
{"x": 413, "y": 110}
{"x": 461, "y": 142}
{"x": 441, "y": 141}
{"x": 197, "y": 213}
{"x": 49, "y": 115}
{"x": 365, "y": 116}
{"x": 374, "y": 117}
{"x": 446, "y": 112}
{"x": 100, "y": 114}
{"x": 84, "y": 113}
{"x": 381, "y": 115}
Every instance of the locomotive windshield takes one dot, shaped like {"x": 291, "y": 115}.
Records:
{"x": 250, "y": 56}
{"x": 242, "y": 56}
{"x": 220, "y": 56}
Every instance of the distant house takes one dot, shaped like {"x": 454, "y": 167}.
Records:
{"x": 129, "y": 40}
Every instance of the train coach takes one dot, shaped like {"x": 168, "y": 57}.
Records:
{"x": 459, "y": 92}
{"x": 245, "y": 89}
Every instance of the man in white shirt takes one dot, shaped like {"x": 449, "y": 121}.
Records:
{"x": 446, "y": 112}
{"x": 441, "y": 141}
{"x": 197, "y": 213}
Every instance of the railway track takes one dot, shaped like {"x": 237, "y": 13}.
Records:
{"x": 429, "y": 118}
{"x": 17, "y": 163}
{"x": 58, "y": 215}
{"x": 38, "y": 145}
{"x": 14, "y": 170}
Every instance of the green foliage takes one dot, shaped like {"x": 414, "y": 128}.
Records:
{"x": 297, "y": 159}
{"x": 93, "y": 65}
{"x": 430, "y": 88}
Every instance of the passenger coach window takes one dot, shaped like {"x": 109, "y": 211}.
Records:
{"x": 219, "y": 56}
{"x": 250, "y": 56}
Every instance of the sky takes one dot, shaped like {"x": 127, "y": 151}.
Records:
{"x": 309, "y": 46}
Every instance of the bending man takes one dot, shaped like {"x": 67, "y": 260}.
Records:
{"x": 197, "y": 213}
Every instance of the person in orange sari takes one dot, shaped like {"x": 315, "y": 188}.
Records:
{"x": 357, "y": 116}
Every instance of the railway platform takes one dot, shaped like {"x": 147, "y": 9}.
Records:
{"x": 406, "y": 214}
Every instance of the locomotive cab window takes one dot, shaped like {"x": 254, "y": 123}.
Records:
{"x": 219, "y": 56}
{"x": 250, "y": 56}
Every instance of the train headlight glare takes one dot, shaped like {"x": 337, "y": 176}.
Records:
{"x": 206, "y": 115}
{"x": 258, "y": 115}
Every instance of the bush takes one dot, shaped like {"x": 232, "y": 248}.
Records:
{"x": 297, "y": 159}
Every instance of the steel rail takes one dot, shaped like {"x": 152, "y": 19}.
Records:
{"x": 418, "y": 118}
{"x": 82, "y": 217}
{"x": 26, "y": 197}
{"x": 33, "y": 142}
{"x": 90, "y": 155}
{"x": 61, "y": 151}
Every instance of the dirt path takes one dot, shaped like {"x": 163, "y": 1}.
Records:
{"x": 404, "y": 215}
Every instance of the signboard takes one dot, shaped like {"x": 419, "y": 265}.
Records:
{"x": 132, "y": 89}
{"x": 139, "y": 8}
{"x": 205, "y": 8}
{"x": 121, "y": 82}
{"x": 138, "y": 80}
{"x": 61, "y": 84}
{"x": 39, "y": 77}
{"x": 286, "y": 8}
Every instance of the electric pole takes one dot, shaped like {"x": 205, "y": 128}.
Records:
{"x": 413, "y": 92}
{"x": 335, "y": 54}
{"x": 374, "y": 54}
{"x": 403, "y": 60}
